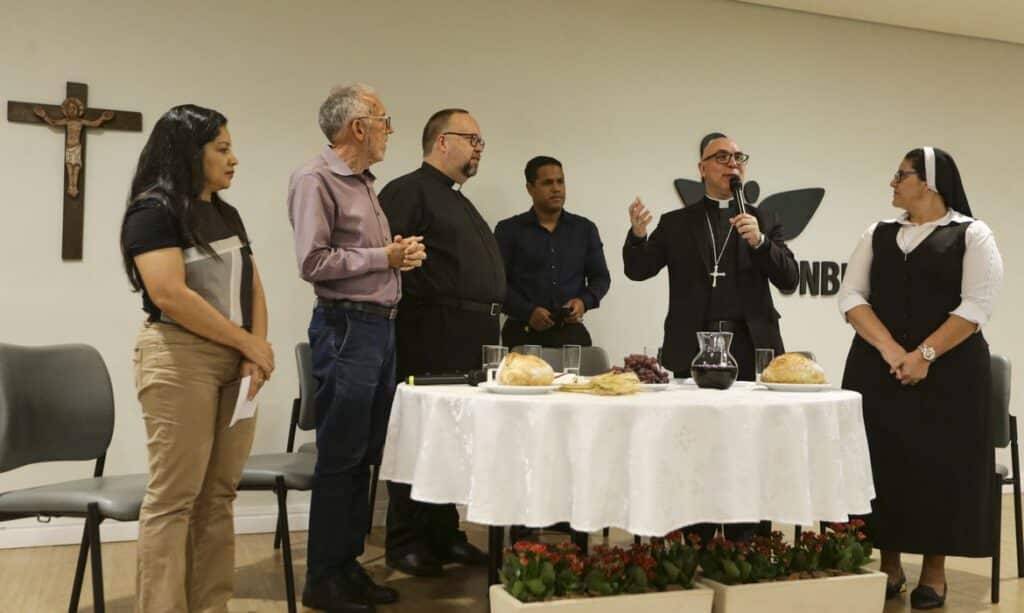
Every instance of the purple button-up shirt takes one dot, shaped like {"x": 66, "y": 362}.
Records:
{"x": 341, "y": 232}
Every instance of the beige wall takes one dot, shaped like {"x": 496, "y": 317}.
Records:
{"x": 619, "y": 92}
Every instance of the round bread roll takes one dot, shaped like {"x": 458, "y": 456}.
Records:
{"x": 518, "y": 369}
{"x": 793, "y": 368}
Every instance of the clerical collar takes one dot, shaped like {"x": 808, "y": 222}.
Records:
{"x": 722, "y": 204}
{"x": 440, "y": 176}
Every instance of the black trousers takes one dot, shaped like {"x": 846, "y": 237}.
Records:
{"x": 516, "y": 332}
{"x": 436, "y": 339}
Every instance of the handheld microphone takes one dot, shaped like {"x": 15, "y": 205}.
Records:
{"x": 736, "y": 185}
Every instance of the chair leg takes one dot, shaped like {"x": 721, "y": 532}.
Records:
{"x": 637, "y": 539}
{"x": 277, "y": 531}
{"x": 495, "y": 543}
{"x": 997, "y": 520}
{"x": 581, "y": 540}
{"x": 606, "y": 532}
{"x": 373, "y": 495}
{"x": 92, "y": 521}
{"x": 286, "y": 543}
{"x": 797, "y": 531}
{"x": 83, "y": 553}
{"x": 1018, "y": 526}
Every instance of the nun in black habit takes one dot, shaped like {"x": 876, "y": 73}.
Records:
{"x": 917, "y": 291}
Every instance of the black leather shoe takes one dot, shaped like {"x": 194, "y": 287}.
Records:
{"x": 359, "y": 580}
{"x": 924, "y": 597}
{"x": 461, "y": 553}
{"x": 419, "y": 564}
{"x": 335, "y": 595}
{"x": 892, "y": 590}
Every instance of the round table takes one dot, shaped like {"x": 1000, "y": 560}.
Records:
{"x": 648, "y": 463}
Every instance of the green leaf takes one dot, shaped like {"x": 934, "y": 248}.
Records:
{"x": 517, "y": 590}
{"x": 536, "y": 587}
{"x": 547, "y": 573}
{"x": 671, "y": 570}
{"x": 731, "y": 570}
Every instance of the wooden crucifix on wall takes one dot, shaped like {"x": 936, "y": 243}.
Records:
{"x": 73, "y": 115}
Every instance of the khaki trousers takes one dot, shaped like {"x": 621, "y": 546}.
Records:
{"x": 188, "y": 386}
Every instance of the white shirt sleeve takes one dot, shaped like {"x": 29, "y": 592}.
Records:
{"x": 982, "y": 275}
{"x": 856, "y": 287}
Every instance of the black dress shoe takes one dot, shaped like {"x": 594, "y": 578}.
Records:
{"x": 416, "y": 563}
{"x": 924, "y": 597}
{"x": 335, "y": 595}
{"x": 892, "y": 590}
{"x": 359, "y": 580}
{"x": 460, "y": 553}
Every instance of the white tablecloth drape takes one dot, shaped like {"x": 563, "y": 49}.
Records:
{"x": 648, "y": 463}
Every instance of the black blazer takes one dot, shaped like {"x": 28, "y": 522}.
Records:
{"x": 681, "y": 242}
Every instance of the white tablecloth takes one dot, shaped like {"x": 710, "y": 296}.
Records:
{"x": 648, "y": 463}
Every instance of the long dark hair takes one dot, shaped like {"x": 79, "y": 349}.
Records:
{"x": 170, "y": 171}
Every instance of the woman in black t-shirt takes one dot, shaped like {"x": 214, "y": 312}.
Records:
{"x": 205, "y": 333}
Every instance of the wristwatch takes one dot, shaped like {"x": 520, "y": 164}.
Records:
{"x": 927, "y": 352}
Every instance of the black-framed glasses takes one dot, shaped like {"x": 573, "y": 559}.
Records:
{"x": 475, "y": 140}
{"x": 723, "y": 157}
{"x": 902, "y": 174}
{"x": 386, "y": 118}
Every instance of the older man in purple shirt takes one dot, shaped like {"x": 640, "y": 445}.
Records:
{"x": 344, "y": 247}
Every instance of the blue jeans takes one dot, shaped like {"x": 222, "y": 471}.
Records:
{"x": 354, "y": 368}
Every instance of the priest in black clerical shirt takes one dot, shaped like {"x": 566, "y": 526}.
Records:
{"x": 720, "y": 264}
{"x": 449, "y": 309}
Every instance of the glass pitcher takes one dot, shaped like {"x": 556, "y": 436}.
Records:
{"x": 713, "y": 366}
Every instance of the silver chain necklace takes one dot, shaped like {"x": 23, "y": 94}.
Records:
{"x": 718, "y": 256}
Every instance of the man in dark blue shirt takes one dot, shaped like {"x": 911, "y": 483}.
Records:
{"x": 554, "y": 264}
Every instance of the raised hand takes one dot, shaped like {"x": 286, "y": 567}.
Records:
{"x": 639, "y": 218}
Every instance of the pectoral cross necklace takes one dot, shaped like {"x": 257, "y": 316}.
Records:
{"x": 718, "y": 256}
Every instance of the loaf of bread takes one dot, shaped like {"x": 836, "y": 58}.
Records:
{"x": 518, "y": 369}
{"x": 793, "y": 368}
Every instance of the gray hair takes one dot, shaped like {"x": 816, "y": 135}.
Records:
{"x": 345, "y": 103}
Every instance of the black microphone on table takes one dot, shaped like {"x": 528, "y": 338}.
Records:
{"x": 469, "y": 377}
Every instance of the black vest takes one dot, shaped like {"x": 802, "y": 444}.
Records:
{"x": 914, "y": 293}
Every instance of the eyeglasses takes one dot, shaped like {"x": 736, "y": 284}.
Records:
{"x": 723, "y": 157}
{"x": 902, "y": 174}
{"x": 474, "y": 139}
{"x": 386, "y": 118}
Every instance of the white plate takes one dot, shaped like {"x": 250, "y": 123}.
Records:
{"x": 654, "y": 387}
{"x": 497, "y": 388}
{"x": 798, "y": 387}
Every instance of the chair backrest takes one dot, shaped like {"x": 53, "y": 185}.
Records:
{"x": 807, "y": 354}
{"x": 56, "y": 403}
{"x": 1000, "y": 400}
{"x": 594, "y": 361}
{"x": 307, "y": 386}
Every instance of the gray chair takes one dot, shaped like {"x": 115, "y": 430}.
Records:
{"x": 1004, "y": 432}
{"x": 57, "y": 404}
{"x": 593, "y": 360}
{"x": 280, "y": 472}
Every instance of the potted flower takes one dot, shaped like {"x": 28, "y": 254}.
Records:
{"x": 538, "y": 577}
{"x": 766, "y": 575}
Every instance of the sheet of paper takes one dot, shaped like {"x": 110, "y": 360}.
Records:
{"x": 244, "y": 408}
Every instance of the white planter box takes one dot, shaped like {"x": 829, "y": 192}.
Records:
{"x": 697, "y": 600}
{"x": 861, "y": 593}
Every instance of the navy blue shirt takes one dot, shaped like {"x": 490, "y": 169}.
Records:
{"x": 548, "y": 269}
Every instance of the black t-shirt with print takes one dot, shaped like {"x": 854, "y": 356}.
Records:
{"x": 224, "y": 280}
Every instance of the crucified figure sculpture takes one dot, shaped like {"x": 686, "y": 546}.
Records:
{"x": 73, "y": 122}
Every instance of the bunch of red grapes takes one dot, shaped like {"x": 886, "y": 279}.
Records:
{"x": 646, "y": 368}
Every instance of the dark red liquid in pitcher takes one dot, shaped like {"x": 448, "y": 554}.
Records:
{"x": 714, "y": 377}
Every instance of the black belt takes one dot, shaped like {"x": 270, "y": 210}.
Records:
{"x": 726, "y": 325}
{"x": 364, "y": 307}
{"x": 491, "y": 308}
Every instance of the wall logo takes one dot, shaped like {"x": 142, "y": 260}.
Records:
{"x": 794, "y": 209}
